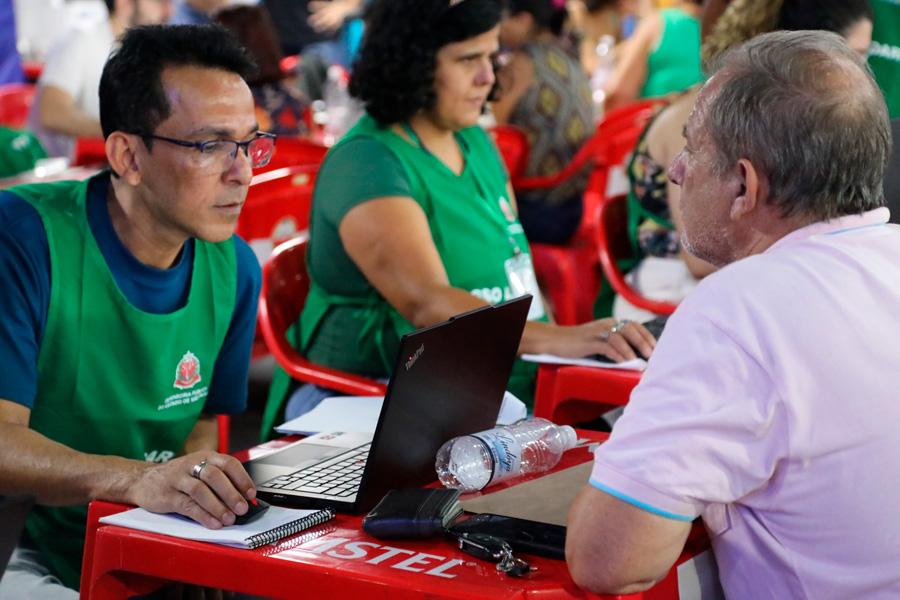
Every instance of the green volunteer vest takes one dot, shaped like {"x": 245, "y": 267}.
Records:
{"x": 113, "y": 379}
{"x": 474, "y": 230}
{"x": 884, "y": 53}
{"x": 675, "y": 63}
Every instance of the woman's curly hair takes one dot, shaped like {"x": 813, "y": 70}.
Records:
{"x": 394, "y": 72}
{"x": 744, "y": 19}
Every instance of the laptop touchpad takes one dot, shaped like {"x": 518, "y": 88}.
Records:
{"x": 300, "y": 455}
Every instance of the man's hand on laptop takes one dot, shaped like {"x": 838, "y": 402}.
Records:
{"x": 206, "y": 486}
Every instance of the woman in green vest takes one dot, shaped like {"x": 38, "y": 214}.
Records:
{"x": 413, "y": 217}
{"x": 661, "y": 58}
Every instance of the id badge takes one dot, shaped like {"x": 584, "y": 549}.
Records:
{"x": 520, "y": 273}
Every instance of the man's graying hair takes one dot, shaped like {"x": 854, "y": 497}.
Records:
{"x": 805, "y": 110}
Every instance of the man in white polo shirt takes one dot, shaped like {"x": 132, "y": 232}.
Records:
{"x": 67, "y": 105}
{"x": 770, "y": 406}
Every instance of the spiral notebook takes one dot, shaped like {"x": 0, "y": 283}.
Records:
{"x": 275, "y": 524}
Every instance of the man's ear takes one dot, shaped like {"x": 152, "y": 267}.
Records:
{"x": 750, "y": 194}
{"x": 120, "y": 152}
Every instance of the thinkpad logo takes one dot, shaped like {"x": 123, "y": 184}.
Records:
{"x": 412, "y": 359}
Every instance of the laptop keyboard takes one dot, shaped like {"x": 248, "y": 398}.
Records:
{"x": 338, "y": 476}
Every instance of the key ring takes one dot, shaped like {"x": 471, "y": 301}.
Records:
{"x": 494, "y": 549}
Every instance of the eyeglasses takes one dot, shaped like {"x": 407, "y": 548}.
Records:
{"x": 219, "y": 155}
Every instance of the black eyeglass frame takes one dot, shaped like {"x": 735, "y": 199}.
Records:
{"x": 201, "y": 146}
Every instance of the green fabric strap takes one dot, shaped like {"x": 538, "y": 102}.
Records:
{"x": 112, "y": 379}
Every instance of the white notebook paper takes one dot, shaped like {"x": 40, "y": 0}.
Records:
{"x": 275, "y": 524}
{"x": 638, "y": 364}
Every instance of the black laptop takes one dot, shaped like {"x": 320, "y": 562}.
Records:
{"x": 448, "y": 380}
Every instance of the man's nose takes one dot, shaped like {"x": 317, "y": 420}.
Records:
{"x": 241, "y": 170}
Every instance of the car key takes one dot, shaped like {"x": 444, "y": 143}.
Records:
{"x": 494, "y": 549}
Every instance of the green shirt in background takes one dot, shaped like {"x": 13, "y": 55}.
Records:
{"x": 674, "y": 65}
{"x": 346, "y": 324}
{"x": 884, "y": 53}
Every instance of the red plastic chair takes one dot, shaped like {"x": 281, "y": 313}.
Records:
{"x": 613, "y": 246}
{"x": 89, "y": 152}
{"x": 284, "y": 288}
{"x": 514, "y": 148}
{"x": 293, "y": 151}
{"x": 15, "y": 102}
{"x": 574, "y": 394}
{"x": 277, "y": 207}
{"x": 570, "y": 272}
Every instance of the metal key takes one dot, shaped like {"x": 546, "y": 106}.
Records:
{"x": 494, "y": 549}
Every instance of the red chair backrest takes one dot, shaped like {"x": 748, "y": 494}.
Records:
{"x": 294, "y": 151}
{"x": 615, "y": 136}
{"x": 15, "y": 102}
{"x": 285, "y": 284}
{"x": 514, "y": 148}
{"x": 613, "y": 245}
{"x": 277, "y": 207}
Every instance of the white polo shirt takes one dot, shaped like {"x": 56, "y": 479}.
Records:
{"x": 74, "y": 65}
{"x": 771, "y": 408}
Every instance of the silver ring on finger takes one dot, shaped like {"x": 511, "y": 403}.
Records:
{"x": 198, "y": 468}
{"x": 619, "y": 326}
{"x": 604, "y": 337}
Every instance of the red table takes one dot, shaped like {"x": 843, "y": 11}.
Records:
{"x": 334, "y": 560}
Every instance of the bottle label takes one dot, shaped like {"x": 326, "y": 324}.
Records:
{"x": 505, "y": 451}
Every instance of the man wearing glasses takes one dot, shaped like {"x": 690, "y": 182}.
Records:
{"x": 128, "y": 306}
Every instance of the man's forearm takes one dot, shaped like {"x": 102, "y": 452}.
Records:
{"x": 32, "y": 464}
{"x": 58, "y": 112}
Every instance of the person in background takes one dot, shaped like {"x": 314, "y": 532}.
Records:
{"x": 66, "y": 105}
{"x": 413, "y": 217}
{"x": 128, "y": 306}
{"x": 544, "y": 92}
{"x": 599, "y": 24}
{"x": 195, "y": 12}
{"x": 661, "y": 58}
{"x": 279, "y": 106}
{"x": 313, "y": 27}
{"x": 667, "y": 271}
{"x": 766, "y": 409}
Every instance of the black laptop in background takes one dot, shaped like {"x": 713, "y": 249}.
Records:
{"x": 448, "y": 380}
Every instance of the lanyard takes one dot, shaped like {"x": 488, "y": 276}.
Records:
{"x": 497, "y": 214}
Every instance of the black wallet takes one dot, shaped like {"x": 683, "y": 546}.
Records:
{"x": 413, "y": 513}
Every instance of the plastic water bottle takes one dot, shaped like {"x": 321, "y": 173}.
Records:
{"x": 472, "y": 462}
{"x": 605, "y": 67}
{"x": 338, "y": 104}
